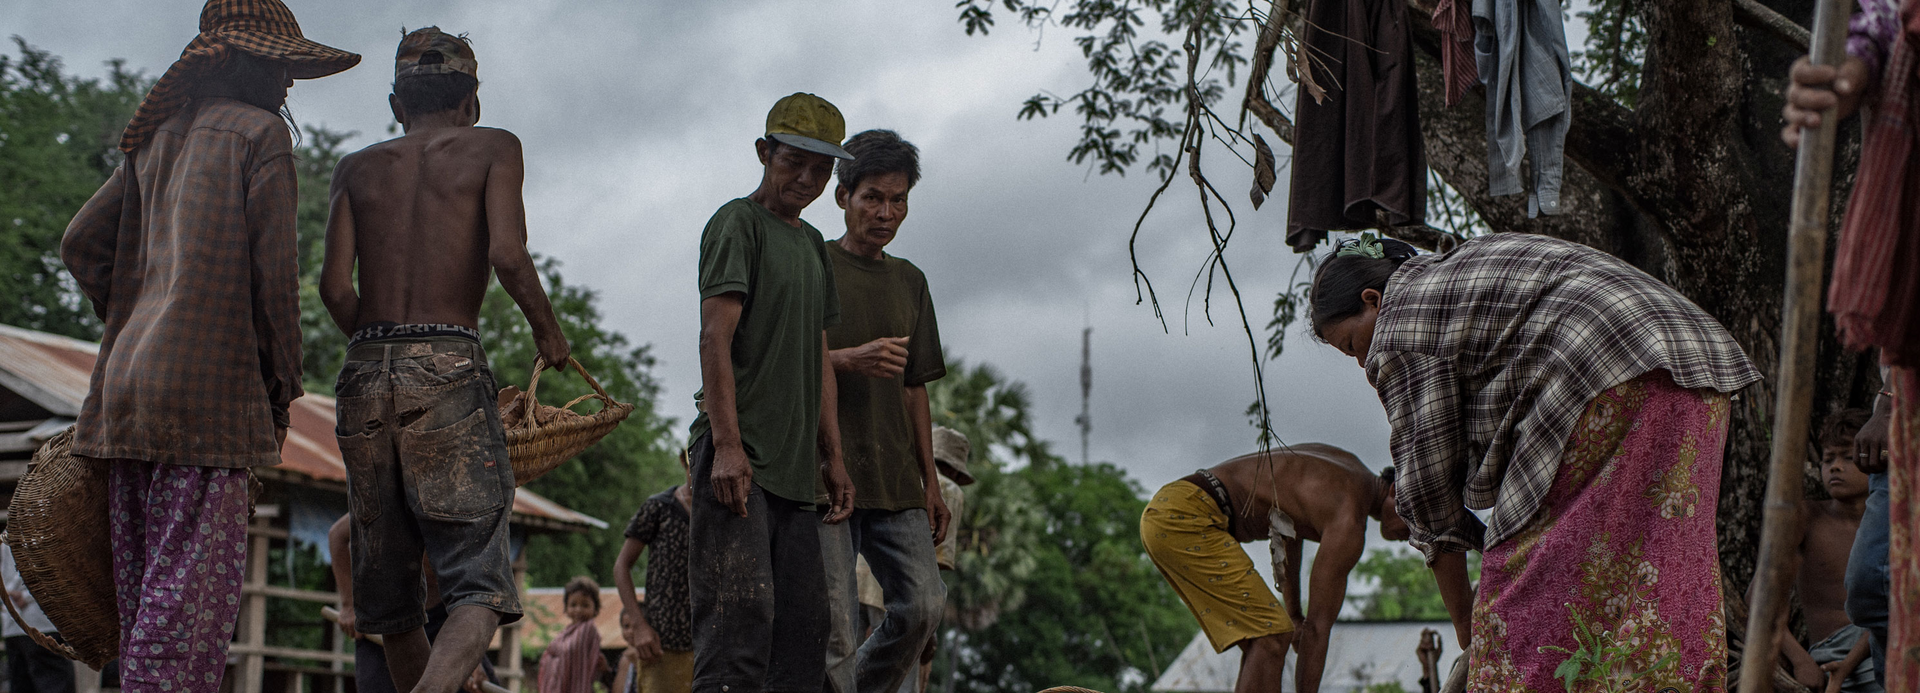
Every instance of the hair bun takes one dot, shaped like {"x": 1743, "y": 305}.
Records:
{"x": 1398, "y": 251}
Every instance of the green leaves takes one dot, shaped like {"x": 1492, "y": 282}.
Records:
{"x": 59, "y": 141}
{"x": 1053, "y": 586}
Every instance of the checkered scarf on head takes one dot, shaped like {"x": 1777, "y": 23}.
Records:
{"x": 262, "y": 28}
{"x": 1875, "y": 294}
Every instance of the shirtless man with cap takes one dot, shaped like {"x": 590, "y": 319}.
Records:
{"x": 425, "y": 217}
{"x": 1307, "y": 492}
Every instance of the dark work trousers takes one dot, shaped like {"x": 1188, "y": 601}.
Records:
{"x": 759, "y": 591}
{"x": 35, "y": 669}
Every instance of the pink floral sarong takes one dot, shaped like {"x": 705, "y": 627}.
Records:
{"x": 1619, "y": 572}
{"x": 1903, "y": 520}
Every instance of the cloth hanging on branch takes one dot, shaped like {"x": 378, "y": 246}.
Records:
{"x": 1455, "y": 23}
{"x": 1358, "y": 151}
{"x": 1521, "y": 50}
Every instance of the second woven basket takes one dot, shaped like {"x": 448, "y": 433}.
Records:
{"x": 536, "y": 447}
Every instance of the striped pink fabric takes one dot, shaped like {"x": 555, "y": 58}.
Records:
{"x": 1455, "y": 22}
{"x": 1875, "y": 293}
{"x": 572, "y": 661}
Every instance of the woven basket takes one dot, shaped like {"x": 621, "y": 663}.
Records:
{"x": 57, "y": 528}
{"x": 536, "y": 447}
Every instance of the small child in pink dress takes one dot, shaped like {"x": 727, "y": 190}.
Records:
{"x": 573, "y": 661}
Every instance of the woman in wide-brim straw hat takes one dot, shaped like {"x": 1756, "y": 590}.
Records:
{"x": 1583, "y": 406}
{"x": 188, "y": 255}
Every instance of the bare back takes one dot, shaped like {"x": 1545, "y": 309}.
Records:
{"x": 420, "y": 207}
{"x": 1313, "y": 483}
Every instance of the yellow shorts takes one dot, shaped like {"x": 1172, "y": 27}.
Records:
{"x": 1186, "y": 536}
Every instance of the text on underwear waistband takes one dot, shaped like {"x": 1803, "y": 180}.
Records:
{"x": 380, "y": 331}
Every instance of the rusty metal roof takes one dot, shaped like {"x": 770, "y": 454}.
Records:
{"x": 53, "y": 371}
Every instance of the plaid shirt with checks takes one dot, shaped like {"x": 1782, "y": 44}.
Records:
{"x": 192, "y": 265}
{"x": 1485, "y": 358}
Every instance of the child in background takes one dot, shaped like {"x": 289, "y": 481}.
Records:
{"x": 626, "y": 676}
{"x": 1833, "y": 664}
{"x": 661, "y": 633}
{"x": 573, "y": 660}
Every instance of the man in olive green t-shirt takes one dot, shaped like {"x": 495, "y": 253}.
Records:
{"x": 766, "y": 441}
{"x": 885, "y": 350}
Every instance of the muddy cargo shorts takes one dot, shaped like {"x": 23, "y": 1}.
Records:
{"x": 427, "y": 471}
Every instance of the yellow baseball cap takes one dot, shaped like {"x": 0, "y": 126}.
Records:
{"x": 810, "y": 123}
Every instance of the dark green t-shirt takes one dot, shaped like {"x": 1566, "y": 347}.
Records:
{"x": 787, "y": 299}
{"x": 883, "y": 298}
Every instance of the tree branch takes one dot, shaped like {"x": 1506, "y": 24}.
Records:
{"x": 1752, "y": 13}
{"x": 1256, "y": 101}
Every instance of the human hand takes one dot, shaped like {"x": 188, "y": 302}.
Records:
{"x": 1304, "y": 637}
{"x": 476, "y": 681}
{"x": 885, "y": 357}
{"x": 646, "y": 642}
{"x": 732, "y": 477}
{"x": 839, "y": 492}
{"x": 937, "y": 514}
{"x": 347, "y": 622}
{"x": 554, "y": 349}
{"x": 280, "y": 437}
{"x": 1870, "y": 443}
{"x": 1814, "y": 88}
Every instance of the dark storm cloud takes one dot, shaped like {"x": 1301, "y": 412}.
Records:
{"x": 638, "y": 121}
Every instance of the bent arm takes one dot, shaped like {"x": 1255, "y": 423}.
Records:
{"x": 339, "y": 538}
{"x": 1290, "y": 580}
{"x": 719, "y": 317}
{"x": 271, "y": 197}
{"x": 507, "y": 244}
{"x": 1340, "y": 546}
{"x": 1421, "y": 394}
{"x": 623, "y": 574}
{"x": 337, "y": 289}
{"x": 91, "y": 238}
{"x": 1456, "y": 591}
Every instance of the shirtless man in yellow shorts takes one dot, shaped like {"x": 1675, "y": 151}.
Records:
{"x": 1193, "y": 527}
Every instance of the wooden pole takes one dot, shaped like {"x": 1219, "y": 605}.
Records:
{"x": 1800, "y": 334}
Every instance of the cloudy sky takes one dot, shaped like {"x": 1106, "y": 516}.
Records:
{"x": 638, "y": 120}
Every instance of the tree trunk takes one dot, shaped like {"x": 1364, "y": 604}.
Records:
{"x": 1692, "y": 185}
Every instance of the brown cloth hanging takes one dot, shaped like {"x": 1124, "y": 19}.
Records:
{"x": 1359, "y": 151}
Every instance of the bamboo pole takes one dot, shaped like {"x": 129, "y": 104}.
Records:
{"x": 1800, "y": 334}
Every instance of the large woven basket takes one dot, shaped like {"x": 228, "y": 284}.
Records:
{"x": 57, "y": 528}
{"x": 536, "y": 447}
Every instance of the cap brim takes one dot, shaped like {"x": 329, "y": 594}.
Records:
{"x": 305, "y": 59}
{"x": 812, "y": 145}
{"x": 957, "y": 472}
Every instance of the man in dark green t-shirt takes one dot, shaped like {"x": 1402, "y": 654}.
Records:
{"x": 885, "y": 350}
{"x": 766, "y": 442}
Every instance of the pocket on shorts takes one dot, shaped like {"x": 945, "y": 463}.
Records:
{"x": 452, "y": 472}
{"x": 367, "y": 456}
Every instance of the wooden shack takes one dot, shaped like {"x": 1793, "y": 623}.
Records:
{"x": 43, "y": 379}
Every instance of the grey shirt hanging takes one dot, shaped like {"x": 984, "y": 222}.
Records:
{"x": 1521, "y": 49}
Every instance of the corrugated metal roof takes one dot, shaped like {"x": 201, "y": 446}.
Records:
{"x": 53, "y": 372}
{"x": 47, "y": 369}
{"x": 1359, "y": 654}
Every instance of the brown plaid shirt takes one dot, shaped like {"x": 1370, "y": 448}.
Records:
{"x": 191, "y": 262}
{"x": 1486, "y": 356}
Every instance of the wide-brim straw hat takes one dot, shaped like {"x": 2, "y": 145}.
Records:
{"x": 951, "y": 448}
{"x": 262, "y": 28}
